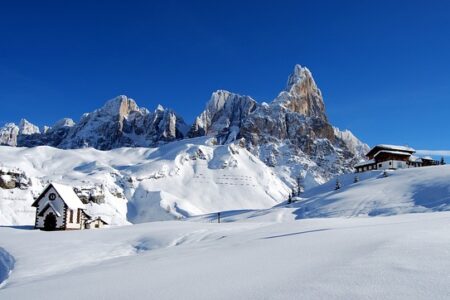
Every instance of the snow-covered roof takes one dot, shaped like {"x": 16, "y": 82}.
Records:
{"x": 427, "y": 158}
{"x": 393, "y": 152}
{"x": 97, "y": 218}
{"x": 68, "y": 195}
{"x": 365, "y": 163}
{"x": 375, "y": 149}
{"x": 415, "y": 159}
{"x": 396, "y": 147}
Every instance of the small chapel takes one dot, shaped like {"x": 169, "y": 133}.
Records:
{"x": 59, "y": 208}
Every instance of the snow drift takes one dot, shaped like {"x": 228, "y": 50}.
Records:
{"x": 6, "y": 265}
{"x": 397, "y": 257}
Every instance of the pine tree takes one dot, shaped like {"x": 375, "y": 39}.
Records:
{"x": 442, "y": 161}
{"x": 338, "y": 184}
{"x": 299, "y": 186}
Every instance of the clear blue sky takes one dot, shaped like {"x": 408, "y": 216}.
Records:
{"x": 383, "y": 67}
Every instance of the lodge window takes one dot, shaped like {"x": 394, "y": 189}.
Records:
{"x": 70, "y": 216}
{"x": 390, "y": 163}
{"x": 380, "y": 165}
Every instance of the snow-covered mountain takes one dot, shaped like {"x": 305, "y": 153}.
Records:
{"x": 176, "y": 180}
{"x": 119, "y": 123}
{"x": 291, "y": 136}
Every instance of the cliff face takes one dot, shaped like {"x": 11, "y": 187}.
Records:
{"x": 291, "y": 134}
{"x": 223, "y": 116}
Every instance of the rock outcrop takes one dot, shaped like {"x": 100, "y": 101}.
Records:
{"x": 13, "y": 178}
{"x": 8, "y": 134}
{"x": 223, "y": 116}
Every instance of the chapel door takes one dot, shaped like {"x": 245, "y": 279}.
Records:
{"x": 50, "y": 222}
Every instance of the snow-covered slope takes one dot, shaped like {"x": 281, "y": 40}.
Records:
{"x": 415, "y": 190}
{"x": 397, "y": 257}
{"x": 183, "y": 178}
{"x": 403, "y": 191}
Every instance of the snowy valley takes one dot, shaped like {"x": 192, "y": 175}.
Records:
{"x": 160, "y": 184}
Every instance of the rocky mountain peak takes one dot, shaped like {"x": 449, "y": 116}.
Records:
{"x": 27, "y": 128}
{"x": 302, "y": 94}
{"x": 223, "y": 115}
{"x": 122, "y": 123}
{"x": 298, "y": 75}
{"x": 8, "y": 134}
{"x": 120, "y": 105}
{"x": 65, "y": 122}
{"x": 159, "y": 107}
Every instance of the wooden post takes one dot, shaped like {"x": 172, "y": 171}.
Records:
{"x": 218, "y": 217}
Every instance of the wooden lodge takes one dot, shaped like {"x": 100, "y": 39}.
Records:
{"x": 392, "y": 157}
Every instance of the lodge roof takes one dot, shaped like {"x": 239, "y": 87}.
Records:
{"x": 387, "y": 147}
{"x": 393, "y": 152}
{"x": 427, "y": 158}
{"x": 415, "y": 159}
{"x": 365, "y": 163}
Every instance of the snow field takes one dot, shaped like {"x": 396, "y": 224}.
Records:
{"x": 396, "y": 257}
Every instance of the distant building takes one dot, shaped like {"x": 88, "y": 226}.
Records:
{"x": 95, "y": 223}
{"x": 428, "y": 161}
{"x": 384, "y": 157}
{"x": 59, "y": 208}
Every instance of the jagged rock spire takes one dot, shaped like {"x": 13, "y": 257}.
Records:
{"x": 302, "y": 94}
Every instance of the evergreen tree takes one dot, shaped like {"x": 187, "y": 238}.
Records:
{"x": 299, "y": 186}
{"x": 338, "y": 184}
{"x": 442, "y": 161}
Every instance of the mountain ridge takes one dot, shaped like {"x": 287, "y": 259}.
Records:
{"x": 291, "y": 133}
